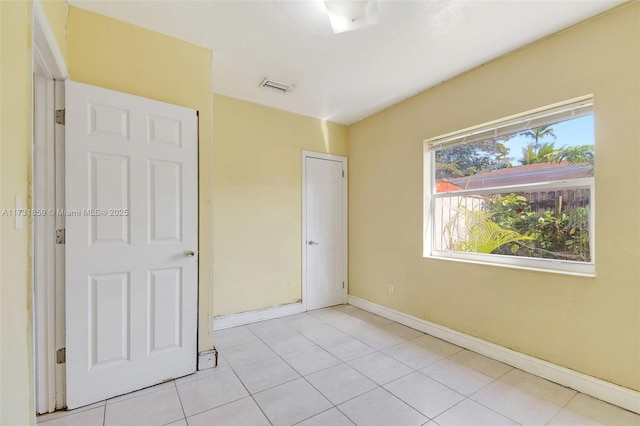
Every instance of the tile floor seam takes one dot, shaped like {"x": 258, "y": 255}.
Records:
{"x": 390, "y": 346}
{"x": 494, "y": 410}
{"x": 315, "y": 371}
{"x": 474, "y": 392}
{"x": 251, "y": 396}
{"x": 454, "y": 405}
{"x": 564, "y": 406}
{"x": 511, "y": 367}
{"x": 317, "y": 414}
{"x": 301, "y": 375}
{"x": 390, "y": 393}
{"x": 447, "y": 357}
{"x": 106, "y": 401}
{"x": 381, "y": 359}
{"x": 554, "y": 416}
{"x": 403, "y": 363}
{"x": 321, "y": 394}
{"x": 261, "y": 410}
{"x": 410, "y": 405}
{"x": 318, "y": 390}
{"x": 482, "y": 405}
{"x": 274, "y": 386}
{"x": 478, "y": 390}
{"x": 289, "y": 364}
{"x": 346, "y": 400}
{"x": 260, "y": 338}
{"x": 377, "y": 385}
{"x": 570, "y": 399}
{"x": 391, "y": 381}
{"x": 217, "y": 406}
{"x": 345, "y": 414}
{"x": 213, "y": 408}
{"x": 192, "y": 381}
{"x": 488, "y": 384}
{"x": 337, "y": 329}
{"x": 184, "y": 414}
{"x": 271, "y": 387}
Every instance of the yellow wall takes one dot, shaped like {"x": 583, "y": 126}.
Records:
{"x": 591, "y": 325}
{"x": 258, "y": 201}
{"x": 56, "y": 12}
{"x": 108, "y": 53}
{"x": 16, "y": 406}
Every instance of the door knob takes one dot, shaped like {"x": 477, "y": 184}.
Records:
{"x": 189, "y": 253}
{"x": 312, "y": 243}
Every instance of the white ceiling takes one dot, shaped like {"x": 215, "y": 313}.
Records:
{"x": 348, "y": 76}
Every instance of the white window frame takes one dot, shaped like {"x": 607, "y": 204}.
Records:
{"x": 520, "y": 122}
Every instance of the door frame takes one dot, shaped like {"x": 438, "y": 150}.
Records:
{"x": 48, "y": 381}
{"x": 345, "y": 254}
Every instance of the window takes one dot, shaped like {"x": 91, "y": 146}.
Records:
{"x": 518, "y": 192}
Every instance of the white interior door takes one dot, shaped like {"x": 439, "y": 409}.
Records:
{"x": 325, "y": 231}
{"x": 131, "y": 242}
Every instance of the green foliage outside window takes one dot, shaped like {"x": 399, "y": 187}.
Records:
{"x": 552, "y": 235}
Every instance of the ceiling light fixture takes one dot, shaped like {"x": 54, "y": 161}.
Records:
{"x": 349, "y": 15}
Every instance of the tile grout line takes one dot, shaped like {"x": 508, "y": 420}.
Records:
{"x": 564, "y": 406}
{"x": 251, "y": 363}
{"x": 301, "y": 377}
{"x": 104, "y": 404}
{"x": 180, "y": 400}
{"x": 321, "y": 412}
{"x": 252, "y": 398}
{"x": 345, "y": 414}
{"x": 468, "y": 397}
{"x": 414, "y": 370}
{"x": 217, "y": 406}
{"x": 299, "y": 350}
{"x": 494, "y": 410}
{"x": 376, "y": 350}
{"x": 138, "y": 396}
{"x": 487, "y": 385}
{"x": 347, "y": 364}
{"x": 309, "y": 383}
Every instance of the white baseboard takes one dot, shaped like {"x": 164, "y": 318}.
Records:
{"x": 614, "y": 394}
{"x": 206, "y": 359}
{"x": 234, "y": 320}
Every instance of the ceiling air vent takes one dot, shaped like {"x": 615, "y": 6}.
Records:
{"x": 281, "y": 87}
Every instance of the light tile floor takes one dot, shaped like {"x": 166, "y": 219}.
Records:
{"x": 344, "y": 366}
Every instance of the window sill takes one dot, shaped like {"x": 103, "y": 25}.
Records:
{"x": 527, "y": 264}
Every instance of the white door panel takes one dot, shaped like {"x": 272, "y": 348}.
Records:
{"x": 131, "y": 201}
{"x": 324, "y": 233}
